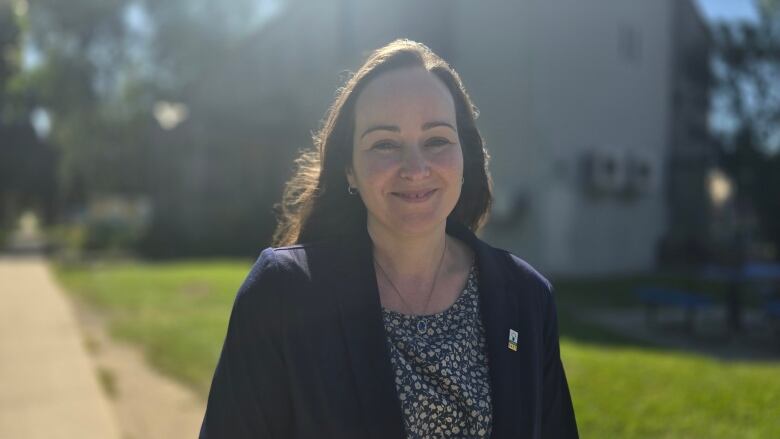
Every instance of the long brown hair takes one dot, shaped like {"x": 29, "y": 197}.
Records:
{"x": 316, "y": 205}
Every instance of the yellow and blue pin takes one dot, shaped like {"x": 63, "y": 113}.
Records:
{"x": 513, "y": 340}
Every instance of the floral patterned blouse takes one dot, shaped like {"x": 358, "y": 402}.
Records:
{"x": 441, "y": 369}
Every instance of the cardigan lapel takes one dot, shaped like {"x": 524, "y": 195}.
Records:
{"x": 511, "y": 372}
{"x": 361, "y": 319}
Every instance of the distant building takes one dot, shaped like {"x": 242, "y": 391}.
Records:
{"x": 593, "y": 112}
{"x": 595, "y": 115}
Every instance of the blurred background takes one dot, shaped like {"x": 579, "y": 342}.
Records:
{"x": 635, "y": 153}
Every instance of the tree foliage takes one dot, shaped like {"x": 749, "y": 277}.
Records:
{"x": 747, "y": 122}
{"x": 26, "y": 162}
{"x": 107, "y": 64}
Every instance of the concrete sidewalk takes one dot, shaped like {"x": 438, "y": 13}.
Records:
{"x": 48, "y": 385}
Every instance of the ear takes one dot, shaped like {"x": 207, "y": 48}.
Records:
{"x": 350, "y": 176}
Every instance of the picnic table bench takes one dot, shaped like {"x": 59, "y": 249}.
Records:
{"x": 657, "y": 297}
{"x": 765, "y": 276}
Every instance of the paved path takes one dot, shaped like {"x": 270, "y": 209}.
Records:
{"x": 48, "y": 385}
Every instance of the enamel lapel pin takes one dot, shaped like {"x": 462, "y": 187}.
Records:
{"x": 513, "y": 340}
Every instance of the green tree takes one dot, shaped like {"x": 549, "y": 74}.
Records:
{"x": 27, "y": 163}
{"x": 747, "y": 67}
{"x": 107, "y": 64}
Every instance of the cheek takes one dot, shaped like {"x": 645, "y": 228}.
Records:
{"x": 374, "y": 168}
{"x": 450, "y": 161}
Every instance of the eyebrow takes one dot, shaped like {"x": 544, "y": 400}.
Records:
{"x": 395, "y": 129}
{"x": 435, "y": 124}
{"x": 381, "y": 128}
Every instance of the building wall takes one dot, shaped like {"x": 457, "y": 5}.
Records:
{"x": 577, "y": 79}
{"x": 562, "y": 85}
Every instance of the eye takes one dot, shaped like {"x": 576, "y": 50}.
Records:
{"x": 384, "y": 145}
{"x": 438, "y": 141}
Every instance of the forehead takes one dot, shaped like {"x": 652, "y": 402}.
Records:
{"x": 404, "y": 96}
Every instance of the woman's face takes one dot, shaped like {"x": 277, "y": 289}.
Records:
{"x": 407, "y": 162}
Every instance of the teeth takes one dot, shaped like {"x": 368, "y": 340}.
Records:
{"x": 414, "y": 195}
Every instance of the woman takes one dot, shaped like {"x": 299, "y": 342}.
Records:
{"x": 385, "y": 316}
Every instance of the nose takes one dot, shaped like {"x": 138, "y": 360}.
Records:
{"x": 414, "y": 164}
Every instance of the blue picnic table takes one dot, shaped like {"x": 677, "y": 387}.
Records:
{"x": 657, "y": 297}
{"x": 765, "y": 274}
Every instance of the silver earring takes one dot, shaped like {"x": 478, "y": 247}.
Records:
{"x": 462, "y": 179}
{"x": 351, "y": 190}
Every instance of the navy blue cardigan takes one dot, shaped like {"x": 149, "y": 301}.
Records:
{"x": 306, "y": 356}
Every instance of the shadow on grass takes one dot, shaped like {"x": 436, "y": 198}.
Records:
{"x": 576, "y": 328}
{"x": 576, "y": 297}
{"x": 605, "y": 312}
{"x": 617, "y": 291}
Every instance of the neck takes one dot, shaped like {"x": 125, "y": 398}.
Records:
{"x": 408, "y": 257}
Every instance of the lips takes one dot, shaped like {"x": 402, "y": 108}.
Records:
{"x": 415, "y": 196}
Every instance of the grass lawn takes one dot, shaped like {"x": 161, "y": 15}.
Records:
{"x": 646, "y": 393}
{"x": 177, "y": 312}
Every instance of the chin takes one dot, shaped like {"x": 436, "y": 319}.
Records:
{"x": 417, "y": 224}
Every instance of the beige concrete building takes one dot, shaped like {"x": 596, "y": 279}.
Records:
{"x": 587, "y": 109}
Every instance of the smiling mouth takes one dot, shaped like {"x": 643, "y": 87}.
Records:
{"x": 415, "y": 196}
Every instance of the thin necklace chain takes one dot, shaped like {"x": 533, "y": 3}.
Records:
{"x": 433, "y": 287}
